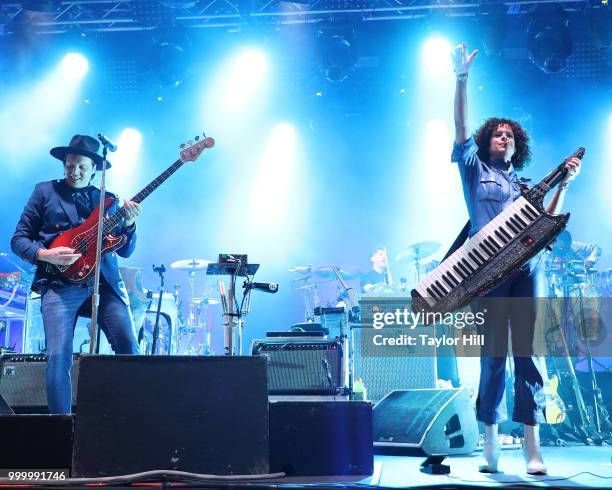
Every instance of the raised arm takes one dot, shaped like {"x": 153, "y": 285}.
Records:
{"x": 556, "y": 201}
{"x": 461, "y": 63}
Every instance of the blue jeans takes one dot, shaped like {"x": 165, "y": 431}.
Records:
{"x": 528, "y": 383}
{"x": 59, "y": 307}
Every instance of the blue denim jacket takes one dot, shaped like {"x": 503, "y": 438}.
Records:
{"x": 487, "y": 188}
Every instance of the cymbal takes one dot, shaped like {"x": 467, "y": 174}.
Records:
{"x": 301, "y": 269}
{"x": 418, "y": 251}
{"x": 326, "y": 272}
{"x": 190, "y": 264}
{"x": 205, "y": 301}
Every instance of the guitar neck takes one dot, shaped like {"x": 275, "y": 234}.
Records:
{"x": 143, "y": 194}
{"x": 555, "y": 177}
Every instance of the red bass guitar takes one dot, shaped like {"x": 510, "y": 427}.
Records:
{"x": 83, "y": 237}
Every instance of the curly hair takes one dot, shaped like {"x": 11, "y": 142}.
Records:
{"x": 522, "y": 153}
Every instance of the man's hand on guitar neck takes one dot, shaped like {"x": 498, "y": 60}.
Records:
{"x": 131, "y": 210}
{"x": 57, "y": 255}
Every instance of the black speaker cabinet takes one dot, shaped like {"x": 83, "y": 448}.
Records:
{"x": 196, "y": 414}
{"x": 321, "y": 438}
{"x": 22, "y": 382}
{"x": 42, "y": 442}
{"x": 431, "y": 422}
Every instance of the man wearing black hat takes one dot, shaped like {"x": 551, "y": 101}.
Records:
{"x": 54, "y": 207}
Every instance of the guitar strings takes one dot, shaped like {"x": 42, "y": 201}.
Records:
{"x": 111, "y": 222}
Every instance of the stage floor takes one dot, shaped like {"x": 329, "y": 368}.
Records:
{"x": 569, "y": 466}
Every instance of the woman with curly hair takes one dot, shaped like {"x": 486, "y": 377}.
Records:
{"x": 488, "y": 163}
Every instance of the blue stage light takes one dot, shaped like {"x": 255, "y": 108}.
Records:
{"x": 435, "y": 57}
{"x": 126, "y": 168}
{"x": 244, "y": 77}
{"x": 131, "y": 137}
{"x": 271, "y": 189}
{"x": 75, "y": 65}
{"x": 251, "y": 63}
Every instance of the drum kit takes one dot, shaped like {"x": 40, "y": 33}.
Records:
{"x": 310, "y": 278}
{"x": 14, "y": 287}
{"x": 178, "y": 334}
{"x": 578, "y": 289}
{"x": 577, "y": 318}
{"x": 191, "y": 335}
{"x": 186, "y": 323}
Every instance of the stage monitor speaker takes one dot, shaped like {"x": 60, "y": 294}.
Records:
{"x": 301, "y": 367}
{"x": 431, "y": 422}
{"x": 195, "y": 414}
{"x": 22, "y": 382}
{"x": 36, "y": 442}
{"x": 321, "y": 438}
{"x": 5, "y": 409}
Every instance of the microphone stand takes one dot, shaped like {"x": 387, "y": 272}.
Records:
{"x": 94, "y": 346}
{"x": 160, "y": 270}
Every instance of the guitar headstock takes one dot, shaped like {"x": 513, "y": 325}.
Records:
{"x": 191, "y": 150}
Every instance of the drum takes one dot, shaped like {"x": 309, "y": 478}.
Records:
{"x": 13, "y": 292}
{"x": 602, "y": 283}
{"x": 567, "y": 273}
{"x": 167, "y": 340}
{"x": 9, "y": 279}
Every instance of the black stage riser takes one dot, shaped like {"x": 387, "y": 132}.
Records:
{"x": 36, "y": 442}
{"x": 196, "y": 414}
{"x": 321, "y": 438}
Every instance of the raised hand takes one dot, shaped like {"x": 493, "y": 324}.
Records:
{"x": 461, "y": 60}
{"x": 573, "y": 167}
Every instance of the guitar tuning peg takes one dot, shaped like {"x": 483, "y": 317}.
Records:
{"x": 182, "y": 147}
{"x": 197, "y": 138}
{"x": 189, "y": 142}
{"x": 204, "y": 135}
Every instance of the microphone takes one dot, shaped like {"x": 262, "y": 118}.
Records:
{"x": 107, "y": 143}
{"x": 266, "y": 287}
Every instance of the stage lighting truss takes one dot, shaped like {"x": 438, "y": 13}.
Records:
{"x": 133, "y": 15}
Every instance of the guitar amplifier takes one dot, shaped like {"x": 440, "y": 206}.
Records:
{"x": 385, "y": 368}
{"x": 22, "y": 382}
{"x": 302, "y": 367}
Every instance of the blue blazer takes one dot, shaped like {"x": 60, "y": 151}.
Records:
{"x": 51, "y": 210}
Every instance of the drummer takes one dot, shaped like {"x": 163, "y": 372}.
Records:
{"x": 566, "y": 249}
{"x": 379, "y": 276}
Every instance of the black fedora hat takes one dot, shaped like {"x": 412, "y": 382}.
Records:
{"x": 81, "y": 145}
